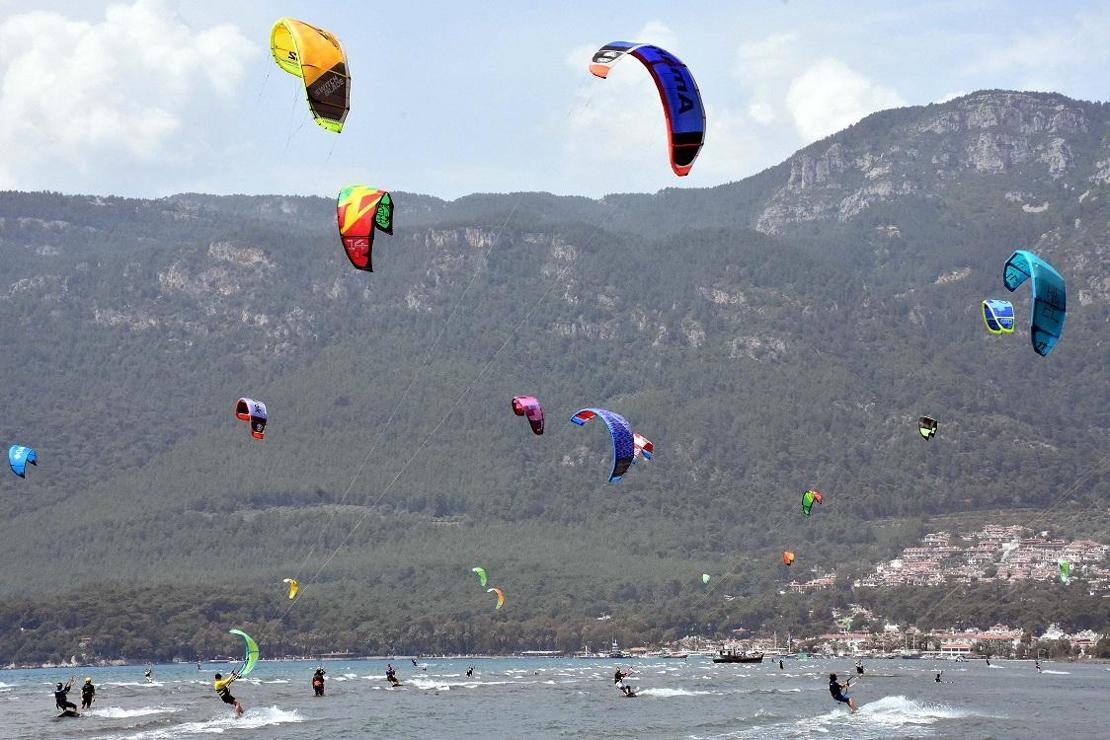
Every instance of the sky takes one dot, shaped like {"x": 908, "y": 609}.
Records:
{"x": 153, "y": 97}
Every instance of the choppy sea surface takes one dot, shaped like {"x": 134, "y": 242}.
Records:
{"x": 513, "y": 698}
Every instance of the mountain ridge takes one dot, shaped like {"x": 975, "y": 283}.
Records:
{"x": 760, "y": 362}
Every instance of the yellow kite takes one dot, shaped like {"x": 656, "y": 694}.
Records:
{"x": 317, "y": 57}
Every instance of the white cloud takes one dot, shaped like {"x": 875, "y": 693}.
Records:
{"x": 830, "y": 96}
{"x": 766, "y": 59}
{"x": 108, "y": 93}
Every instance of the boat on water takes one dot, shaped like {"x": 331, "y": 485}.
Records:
{"x": 676, "y": 655}
{"x": 732, "y": 655}
{"x": 614, "y": 652}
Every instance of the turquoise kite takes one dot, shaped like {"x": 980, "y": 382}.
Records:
{"x": 1050, "y": 297}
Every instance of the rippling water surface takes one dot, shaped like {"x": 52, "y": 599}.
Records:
{"x": 509, "y": 697}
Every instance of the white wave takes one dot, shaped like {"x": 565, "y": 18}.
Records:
{"x": 119, "y": 713}
{"x": 668, "y": 693}
{"x": 1057, "y": 673}
{"x": 428, "y": 684}
{"x": 896, "y": 711}
{"x": 252, "y": 719}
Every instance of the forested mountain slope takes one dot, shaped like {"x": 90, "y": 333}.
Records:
{"x": 769, "y": 335}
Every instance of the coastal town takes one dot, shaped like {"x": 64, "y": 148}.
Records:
{"x": 994, "y": 553}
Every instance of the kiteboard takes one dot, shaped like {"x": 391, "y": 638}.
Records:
{"x": 69, "y": 713}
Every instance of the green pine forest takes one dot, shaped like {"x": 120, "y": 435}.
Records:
{"x": 760, "y": 361}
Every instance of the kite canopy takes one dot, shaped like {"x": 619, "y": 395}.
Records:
{"x": 250, "y": 652}
{"x": 530, "y": 407}
{"x": 1065, "y": 570}
{"x": 998, "y": 316}
{"x": 19, "y": 456}
{"x": 621, "y": 433}
{"x": 1049, "y": 297}
{"x": 294, "y": 587}
{"x": 705, "y": 578}
{"x": 500, "y": 596}
{"x": 927, "y": 427}
{"x": 360, "y": 211}
{"x": 316, "y": 57}
{"x": 481, "y": 573}
{"x": 787, "y": 557}
{"x": 641, "y": 446}
{"x": 681, "y": 99}
{"x": 249, "y": 410}
{"x": 808, "y": 499}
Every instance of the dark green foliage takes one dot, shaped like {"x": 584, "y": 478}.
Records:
{"x": 759, "y": 364}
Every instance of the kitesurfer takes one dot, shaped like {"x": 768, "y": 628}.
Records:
{"x": 938, "y": 678}
{"x": 149, "y": 675}
{"x": 627, "y": 691}
{"x": 414, "y": 663}
{"x": 1037, "y": 664}
{"x": 61, "y": 698}
{"x": 223, "y": 690}
{"x": 88, "y": 693}
{"x": 469, "y": 671}
{"x": 988, "y": 660}
{"x": 391, "y": 675}
{"x": 618, "y": 676}
{"x": 837, "y": 691}
{"x": 318, "y": 681}
{"x": 780, "y": 664}
{"x": 859, "y": 667}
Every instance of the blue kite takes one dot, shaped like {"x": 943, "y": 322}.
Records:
{"x": 681, "y": 99}
{"x": 998, "y": 316}
{"x": 624, "y": 447}
{"x": 19, "y": 456}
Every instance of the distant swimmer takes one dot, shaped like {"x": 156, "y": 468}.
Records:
{"x": 469, "y": 671}
{"x": 391, "y": 675}
{"x": 318, "y": 681}
{"x": 88, "y": 693}
{"x": 837, "y": 691}
{"x": 61, "y": 699}
{"x": 223, "y": 690}
{"x": 859, "y": 667}
{"x": 780, "y": 664}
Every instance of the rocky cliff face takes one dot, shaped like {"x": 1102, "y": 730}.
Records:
{"x": 921, "y": 150}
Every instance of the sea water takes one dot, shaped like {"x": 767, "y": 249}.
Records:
{"x": 514, "y": 698}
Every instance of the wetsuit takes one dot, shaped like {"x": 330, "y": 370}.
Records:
{"x": 391, "y": 676}
{"x": 62, "y": 700}
{"x": 88, "y": 691}
{"x": 318, "y": 683}
{"x": 618, "y": 676}
{"x": 223, "y": 689}
{"x": 837, "y": 691}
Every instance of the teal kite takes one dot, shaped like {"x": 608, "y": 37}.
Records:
{"x": 1050, "y": 299}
